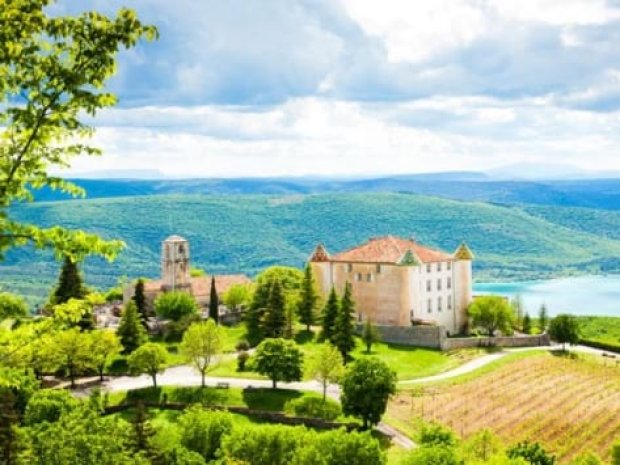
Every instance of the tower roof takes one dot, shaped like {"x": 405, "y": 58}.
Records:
{"x": 320, "y": 254}
{"x": 175, "y": 238}
{"x": 390, "y": 249}
{"x": 463, "y": 252}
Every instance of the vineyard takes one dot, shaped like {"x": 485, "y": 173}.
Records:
{"x": 569, "y": 405}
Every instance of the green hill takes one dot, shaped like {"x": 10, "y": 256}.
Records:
{"x": 248, "y": 233}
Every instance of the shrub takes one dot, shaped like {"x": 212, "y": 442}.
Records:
{"x": 242, "y": 346}
{"x": 435, "y": 455}
{"x": 242, "y": 359}
{"x": 175, "y": 305}
{"x": 313, "y": 407}
{"x": 48, "y": 405}
{"x": 340, "y": 448}
{"x": 202, "y": 431}
{"x": 532, "y": 452}
{"x": 435, "y": 434}
{"x": 174, "y": 330}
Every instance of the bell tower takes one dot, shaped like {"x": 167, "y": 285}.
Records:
{"x": 175, "y": 263}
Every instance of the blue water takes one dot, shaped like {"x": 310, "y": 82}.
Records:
{"x": 586, "y": 295}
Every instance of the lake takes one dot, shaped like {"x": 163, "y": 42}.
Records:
{"x": 585, "y": 295}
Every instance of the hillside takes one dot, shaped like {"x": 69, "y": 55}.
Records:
{"x": 248, "y": 233}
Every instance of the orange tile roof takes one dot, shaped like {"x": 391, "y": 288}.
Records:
{"x": 389, "y": 249}
{"x": 201, "y": 285}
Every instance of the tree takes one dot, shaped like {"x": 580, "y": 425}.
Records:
{"x": 202, "y": 431}
{"x": 142, "y": 431}
{"x": 615, "y": 453}
{"x": 264, "y": 444}
{"x": 563, "y": 329}
{"x": 370, "y": 335}
{"x": 140, "y": 299}
{"x": 491, "y": 313}
{"x": 308, "y": 299}
{"x": 340, "y": 447}
{"x": 482, "y": 446}
{"x": 175, "y": 305}
{"x": 214, "y": 302}
{"x": 130, "y": 330}
{"x": 543, "y": 318}
{"x": 237, "y": 296}
{"x": 290, "y": 278}
{"x": 104, "y": 345}
{"x": 54, "y": 69}
{"x": 517, "y": 307}
{"x": 12, "y": 306}
{"x": 432, "y": 455}
{"x": 150, "y": 359}
{"x": 254, "y": 315}
{"x": 366, "y": 388}
{"x": 9, "y": 421}
{"x": 330, "y": 313}
{"x": 532, "y": 452}
{"x": 279, "y": 360}
{"x": 73, "y": 348}
{"x": 201, "y": 345}
{"x": 327, "y": 366}
{"x": 48, "y": 405}
{"x": 70, "y": 285}
{"x": 435, "y": 434}
{"x": 586, "y": 458}
{"x": 344, "y": 326}
{"x": 274, "y": 319}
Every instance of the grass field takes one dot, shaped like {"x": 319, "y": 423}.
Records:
{"x": 569, "y": 404}
{"x": 605, "y": 330}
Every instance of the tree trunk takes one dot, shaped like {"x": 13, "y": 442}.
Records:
{"x": 71, "y": 376}
{"x": 324, "y": 391}
{"x": 203, "y": 379}
{"x": 154, "y": 376}
{"x": 101, "y": 374}
{"x": 273, "y": 381}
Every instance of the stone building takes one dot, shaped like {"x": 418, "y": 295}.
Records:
{"x": 398, "y": 282}
{"x": 176, "y": 276}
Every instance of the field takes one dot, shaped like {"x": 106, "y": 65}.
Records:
{"x": 568, "y": 404}
{"x": 599, "y": 329}
{"x": 509, "y": 242}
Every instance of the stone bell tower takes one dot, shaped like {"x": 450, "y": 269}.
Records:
{"x": 175, "y": 263}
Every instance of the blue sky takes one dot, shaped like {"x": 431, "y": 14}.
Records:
{"x": 363, "y": 87}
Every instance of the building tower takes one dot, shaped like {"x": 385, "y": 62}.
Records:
{"x": 175, "y": 264}
{"x": 463, "y": 284}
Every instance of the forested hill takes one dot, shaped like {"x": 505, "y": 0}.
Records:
{"x": 600, "y": 194}
{"x": 248, "y": 233}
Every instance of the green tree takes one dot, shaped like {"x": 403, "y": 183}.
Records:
{"x": 527, "y": 324}
{"x": 290, "y": 278}
{"x": 201, "y": 346}
{"x": 615, "y": 453}
{"x": 140, "y": 299}
{"x": 70, "y": 285}
{"x": 370, "y": 335}
{"x": 330, "y": 313}
{"x": 150, "y": 359}
{"x": 142, "y": 432}
{"x": 340, "y": 447}
{"x": 254, "y": 315}
{"x": 48, "y": 405}
{"x": 482, "y": 446}
{"x": 279, "y": 360}
{"x": 12, "y": 306}
{"x": 214, "y": 302}
{"x": 586, "y": 458}
{"x": 517, "y": 307}
{"x": 327, "y": 366}
{"x": 366, "y": 388}
{"x": 435, "y": 434}
{"x": 74, "y": 312}
{"x": 237, "y": 296}
{"x": 264, "y": 444}
{"x": 344, "y": 326}
{"x": 532, "y": 452}
{"x": 202, "y": 431}
{"x": 175, "y": 305}
{"x": 104, "y": 346}
{"x": 73, "y": 349}
{"x": 130, "y": 330}
{"x": 10, "y": 443}
{"x": 491, "y": 313}
{"x": 274, "y": 319}
{"x": 543, "y": 318}
{"x": 565, "y": 329}
{"x": 54, "y": 69}
{"x": 432, "y": 455}
{"x": 308, "y": 299}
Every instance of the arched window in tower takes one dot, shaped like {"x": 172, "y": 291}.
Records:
{"x": 181, "y": 249}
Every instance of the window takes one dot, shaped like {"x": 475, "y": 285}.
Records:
{"x": 359, "y": 276}
{"x": 379, "y": 268}
{"x": 439, "y": 304}
{"x": 449, "y": 283}
{"x": 428, "y": 268}
{"x": 439, "y": 266}
{"x": 359, "y": 317}
{"x": 349, "y": 267}
{"x": 449, "y": 302}
{"x": 439, "y": 284}
{"x": 449, "y": 266}
{"x": 430, "y": 306}
{"x": 369, "y": 277}
{"x": 428, "y": 285}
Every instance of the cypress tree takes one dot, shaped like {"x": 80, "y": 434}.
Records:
{"x": 274, "y": 319}
{"x": 543, "y": 318}
{"x": 344, "y": 329}
{"x": 142, "y": 431}
{"x": 254, "y": 314}
{"x": 527, "y": 324}
{"x": 308, "y": 300}
{"x": 140, "y": 299}
{"x": 214, "y": 302}
{"x": 130, "y": 330}
{"x": 70, "y": 284}
{"x": 330, "y": 312}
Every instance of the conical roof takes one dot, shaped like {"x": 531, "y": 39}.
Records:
{"x": 463, "y": 252}
{"x": 320, "y": 254}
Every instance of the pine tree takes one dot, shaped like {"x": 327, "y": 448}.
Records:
{"x": 543, "y": 318}
{"x": 130, "y": 330}
{"x": 370, "y": 335}
{"x": 254, "y": 315}
{"x": 9, "y": 420}
{"x": 70, "y": 284}
{"x": 344, "y": 329}
{"x": 140, "y": 299}
{"x": 214, "y": 302}
{"x": 274, "y": 319}
{"x": 330, "y": 312}
{"x": 143, "y": 432}
{"x": 527, "y": 324}
{"x": 308, "y": 299}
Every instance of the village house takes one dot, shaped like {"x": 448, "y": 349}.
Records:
{"x": 176, "y": 276}
{"x": 399, "y": 282}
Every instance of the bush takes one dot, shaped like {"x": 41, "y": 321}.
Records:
{"x": 242, "y": 346}
{"x": 174, "y": 330}
{"x": 313, "y": 407}
{"x": 202, "y": 431}
{"x": 242, "y": 359}
{"x": 435, "y": 455}
{"x": 435, "y": 434}
{"x": 264, "y": 444}
{"x": 532, "y": 453}
{"x": 48, "y": 405}
{"x": 340, "y": 448}
{"x": 175, "y": 305}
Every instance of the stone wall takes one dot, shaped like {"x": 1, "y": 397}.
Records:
{"x": 504, "y": 341}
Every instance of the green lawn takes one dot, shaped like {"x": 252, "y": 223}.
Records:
{"x": 601, "y": 329}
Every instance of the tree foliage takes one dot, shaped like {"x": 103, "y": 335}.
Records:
{"x": 330, "y": 313}
{"x": 53, "y": 70}
{"x": 532, "y": 452}
{"x": 140, "y": 299}
{"x": 237, "y": 296}
{"x": 279, "y": 360}
{"x": 12, "y": 306}
{"x": 70, "y": 285}
{"x": 130, "y": 331}
{"x": 327, "y": 366}
{"x": 104, "y": 346}
{"x": 491, "y": 313}
{"x": 202, "y": 431}
{"x": 214, "y": 302}
{"x": 48, "y": 405}
{"x": 366, "y": 388}
{"x": 308, "y": 299}
{"x": 74, "y": 351}
{"x": 274, "y": 318}
{"x": 201, "y": 345}
{"x": 150, "y": 359}
{"x": 564, "y": 329}
{"x": 341, "y": 448}
{"x": 370, "y": 334}
{"x": 543, "y": 318}
{"x": 344, "y": 326}
{"x": 175, "y": 305}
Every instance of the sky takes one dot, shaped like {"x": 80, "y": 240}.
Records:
{"x": 363, "y": 87}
